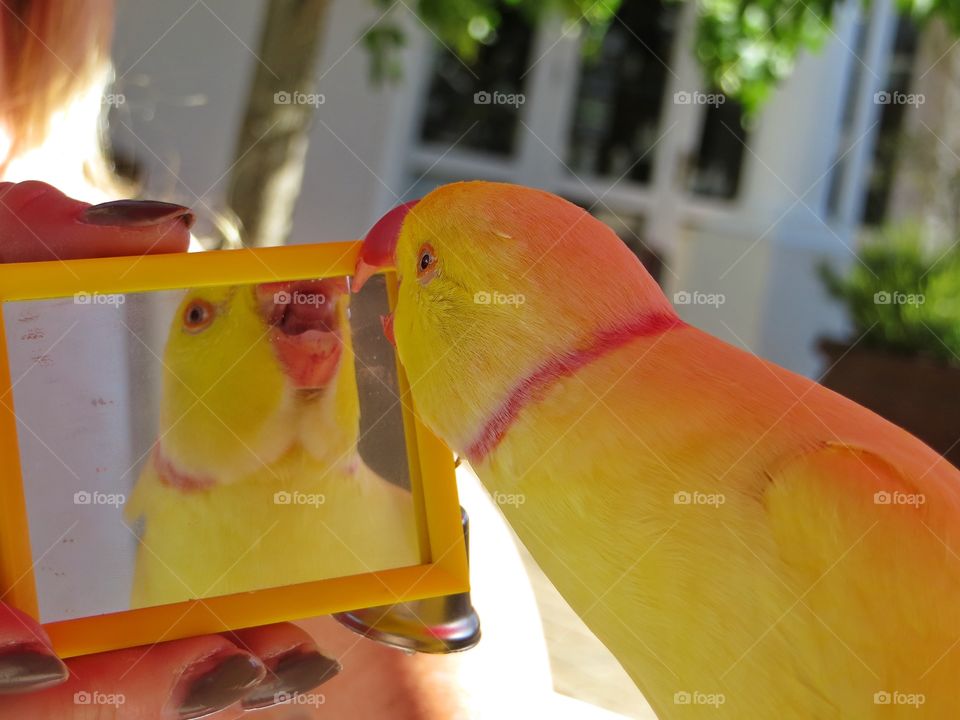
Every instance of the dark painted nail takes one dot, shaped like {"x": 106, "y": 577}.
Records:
{"x": 135, "y": 213}
{"x": 221, "y": 686}
{"x": 24, "y": 669}
{"x": 291, "y": 674}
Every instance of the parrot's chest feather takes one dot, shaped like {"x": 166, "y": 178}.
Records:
{"x": 717, "y": 557}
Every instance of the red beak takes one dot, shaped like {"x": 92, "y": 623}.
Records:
{"x": 380, "y": 245}
{"x": 38, "y": 222}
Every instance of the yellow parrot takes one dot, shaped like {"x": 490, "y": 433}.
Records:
{"x": 750, "y": 545}
{"x": 255, "y": 480}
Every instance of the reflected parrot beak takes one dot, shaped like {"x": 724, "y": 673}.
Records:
{"x": 304, "y": 328}
{"x": 380, "y": 245}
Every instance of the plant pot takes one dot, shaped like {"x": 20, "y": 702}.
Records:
{"x": 919, "y": 394}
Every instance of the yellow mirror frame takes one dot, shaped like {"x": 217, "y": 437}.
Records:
{"x": 443, "y": 567}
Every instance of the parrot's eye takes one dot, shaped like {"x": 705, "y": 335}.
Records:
{"x": 197, "y": 316}
{"x": 426, "y": 263}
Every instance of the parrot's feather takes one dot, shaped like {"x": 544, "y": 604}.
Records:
{"x": 749, "y": 544}
{"x": 721, "y": 552}
{"x": 857, "y": 536}
{"x": 333, "y": 522}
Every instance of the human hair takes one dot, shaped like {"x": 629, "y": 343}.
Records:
{"x": 54, "y": 67}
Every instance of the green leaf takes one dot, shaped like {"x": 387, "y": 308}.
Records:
{"x": 903, "y": 296}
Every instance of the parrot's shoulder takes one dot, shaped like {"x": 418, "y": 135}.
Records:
{"x": 829, "y": 460}
{"x": 839, "y": 506}
{"x": 871, "y": 550}
{"x": 854, "y": 486}
{"x": 854, "y": 475}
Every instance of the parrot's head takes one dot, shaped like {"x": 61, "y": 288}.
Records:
{"x": 244, "y": 367}
{"x": 499, "y": 284}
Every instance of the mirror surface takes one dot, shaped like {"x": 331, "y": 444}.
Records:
{"x": 192, "y": 443}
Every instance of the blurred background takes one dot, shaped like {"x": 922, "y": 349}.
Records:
{"x": 788, "y": 171}
{"x": 304, "y": 121}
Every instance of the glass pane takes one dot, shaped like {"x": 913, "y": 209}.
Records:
{"x": 479, "y": 105}
{"x": 854, "y": 79}
{"x": 620, "y": 97}
{"x": 716, "y": 166}
{"x": 896, "y": 101}
{"x": 191, "y": 443}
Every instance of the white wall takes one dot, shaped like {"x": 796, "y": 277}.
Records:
{"x": 186, "y": 93}
{"x": 763, "y": 259}
{"x": 82, "y": 387}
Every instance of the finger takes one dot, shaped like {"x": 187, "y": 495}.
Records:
{"x": 294, "y": 664}
{"x": 174, "y": 680}
{"x": 26, "y": 660}
{"x": 38, "y": 222}
{"x": 18, "y": 628}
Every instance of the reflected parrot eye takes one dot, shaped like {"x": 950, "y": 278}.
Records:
{"x": 426, "y": 263}
{"x": 197, "y": 316}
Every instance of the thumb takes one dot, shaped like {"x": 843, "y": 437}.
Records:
{"x": 38, "y": 222}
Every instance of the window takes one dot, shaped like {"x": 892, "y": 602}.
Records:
{"x": 484, "y": 99}
{"x": 716, "y": 166}
{"x": 620, "y": 97}
{"x": 892, "y": 114}
{"x": 893, "y": 102}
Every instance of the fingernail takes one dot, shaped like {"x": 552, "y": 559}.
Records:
{"x": 221, "y": 686}
{"x": 28, "y": 668}
{"x": 291, "y": 674}
{"x": 135, "y": 213}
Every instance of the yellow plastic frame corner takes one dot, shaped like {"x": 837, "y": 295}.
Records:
{"x": 443, "y": 567}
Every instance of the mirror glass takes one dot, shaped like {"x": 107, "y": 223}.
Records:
{"x": 190, "y": 443}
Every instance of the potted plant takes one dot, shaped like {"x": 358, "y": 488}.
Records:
{"x": 903, "y": 360}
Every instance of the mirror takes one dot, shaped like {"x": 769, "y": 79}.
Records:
{"x": 191, "y": 443}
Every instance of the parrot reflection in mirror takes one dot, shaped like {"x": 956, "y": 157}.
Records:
{"x": 220, "y": 426}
